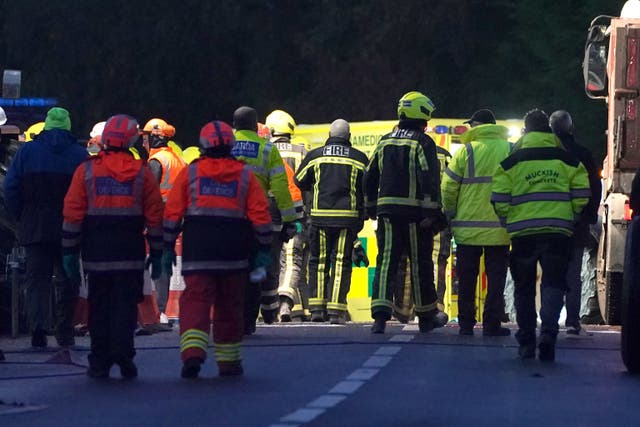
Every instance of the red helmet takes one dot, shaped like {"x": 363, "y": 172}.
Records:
{"x": 216, "y": 133}
{"x": 120, "y": 131}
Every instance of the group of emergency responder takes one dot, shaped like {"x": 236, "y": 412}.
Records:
{"x": 270, "y": 229}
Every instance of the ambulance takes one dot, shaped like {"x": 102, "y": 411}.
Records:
{"x": 365, "y": 136}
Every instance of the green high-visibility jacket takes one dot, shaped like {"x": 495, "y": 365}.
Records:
{"x": 265, "y": 162}
{"x": 540, "y": 187}
{"x": 466, "y": 186}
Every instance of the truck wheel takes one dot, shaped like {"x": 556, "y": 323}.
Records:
{"x": 609, "y": 298}
{"x": 630, "y": 300}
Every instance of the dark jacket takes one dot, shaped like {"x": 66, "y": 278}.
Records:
{"x": 590, "y": 213}
{"x": 403, "y": 176}
{"x": 334, "y": 174}
{"x": 38, "y": 180}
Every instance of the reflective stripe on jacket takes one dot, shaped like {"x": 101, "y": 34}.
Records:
{"x": 264, "y": 160}
{"x": 334, "y": 175}
{"x": 403, "y": 177}
{"x": 172, "y": 163}
{"x": 224, "y": 210}
{"x": 466, "y": 186}
{"x": 540, "y": 188}
{"x": 111, "y": 199}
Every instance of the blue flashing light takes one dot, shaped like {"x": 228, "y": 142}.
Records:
{"x": 440, "y": 129}
{"x": 28, "y": 102}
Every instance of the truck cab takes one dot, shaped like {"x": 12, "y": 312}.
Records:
{"x": 612, "y": 73}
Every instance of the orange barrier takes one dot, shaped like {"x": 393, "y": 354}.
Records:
{"x": 176, "y": 284}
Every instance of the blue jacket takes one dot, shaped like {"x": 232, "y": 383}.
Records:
{"x": 37, "y": 181}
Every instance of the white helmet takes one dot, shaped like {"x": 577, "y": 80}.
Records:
{"x": 3, "y": 116}
{"x": 97, "y": 129}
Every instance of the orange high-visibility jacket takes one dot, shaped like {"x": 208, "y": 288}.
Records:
{"x": 171, "y": 163}
{"x": 225, "y": 215}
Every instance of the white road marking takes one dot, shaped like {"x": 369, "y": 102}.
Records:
{"x": 363, "y": 374}
{"x": 346, "y": 387}
{"x": 303, "y": 415}
{"x": 388, "y": 350}
{"x": 401, "y": 338}
{"x": 327, "y": 401}
{"x": 377, "y": 362}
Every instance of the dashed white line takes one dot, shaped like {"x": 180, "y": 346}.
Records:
{"x": 350, "y": 385}
{"x": 346, "y": 387}
{"x": 327, "y": 401}
{"x": 388, "y": 350}
{"x": 303, "y": 415}
{"x": 401, "y": 338}
{"x": 363, "y": 374}
{"x": 377, "y": 362}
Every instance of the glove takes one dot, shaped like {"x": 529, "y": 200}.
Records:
{"x": 290, "y": 229}
{"x": 435, "y": 221}
{"x": 262, "y": 259}
{"x": 167, "y": 261}
{"x": 358, "y": 255}
{"x": 71, "y": 265}
{"x": 155, "y": 261}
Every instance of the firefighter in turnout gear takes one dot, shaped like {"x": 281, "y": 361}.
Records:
{"x": 538, "y": 193}
{"x": 112, "y": 198}
{"x": 290, "y": 267}
{"x": 165, "y": 164}
{"x": 402, "y": 187}
{"x": 263, "y": 158}
{"x": 334, "y": 176}
{"x": 222, "y": 210}
{"x": 466, "y": 194}
{"x": 403, "y": 307}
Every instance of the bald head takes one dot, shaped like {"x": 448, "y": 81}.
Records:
{"x": 561, "y": 122}
{"x": 340, "y": 129}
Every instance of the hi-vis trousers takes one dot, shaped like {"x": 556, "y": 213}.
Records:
{"x": 225, "y": 292}
{"x": 397, "y": 237}
{"x": 330, "y": 268}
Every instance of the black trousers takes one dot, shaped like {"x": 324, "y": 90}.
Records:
{"x": 113, "y": 311}
{"x": 496, "y": 261}
{"x": 330, "y": 265}
{"x": 396, "y": 237}
{"x": 553, "y": 252}
{"x": 44, "y": 275}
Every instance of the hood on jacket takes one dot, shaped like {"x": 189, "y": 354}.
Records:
{"x": 224, "y": 169}
{"x": 538, "y": 140}
{"x": 488, "y": 131}
{"x": 56, "y": 140}
{"x": 122, "y": 166}
{"x": 338, "y": 140}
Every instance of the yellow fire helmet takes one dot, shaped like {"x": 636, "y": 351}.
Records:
{"x": 280, "y": 123}
{"x": 33, "y": 131}
{"x": 415, "y": 105}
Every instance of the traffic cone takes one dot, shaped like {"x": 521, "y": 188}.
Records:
{"x": 176, "y": 284}
{"x": 148, "y": 312}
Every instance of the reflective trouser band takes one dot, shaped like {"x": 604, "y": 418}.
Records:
{"x": 194, "y": 338}
{"x": 227, "y": 352}
{"x": 336, "y": 306}
{"x": 478, "y": 224}
{"x": 426, "y": 308}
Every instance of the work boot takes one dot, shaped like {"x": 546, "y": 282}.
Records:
{"x": 230, "y": 369}
{"x": 128, "y": 369}
{"x": 249, "y": 327}
{"x": 379, "y": 325}
{"x": 285, "y": 309}
{"x": 499, "y": 331}
{"x": 547, "y": 348}
{"x": 527, "y": 351}
{"x": 574, "y": 329}
{"x": 429, "y": 323}
{"x": 318, "y": 316}
{"x": 337, "y": 319}
{"x": 39, "y": 339}
{"x": 191, "y": 367}
{"x": 269, "y": 316}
